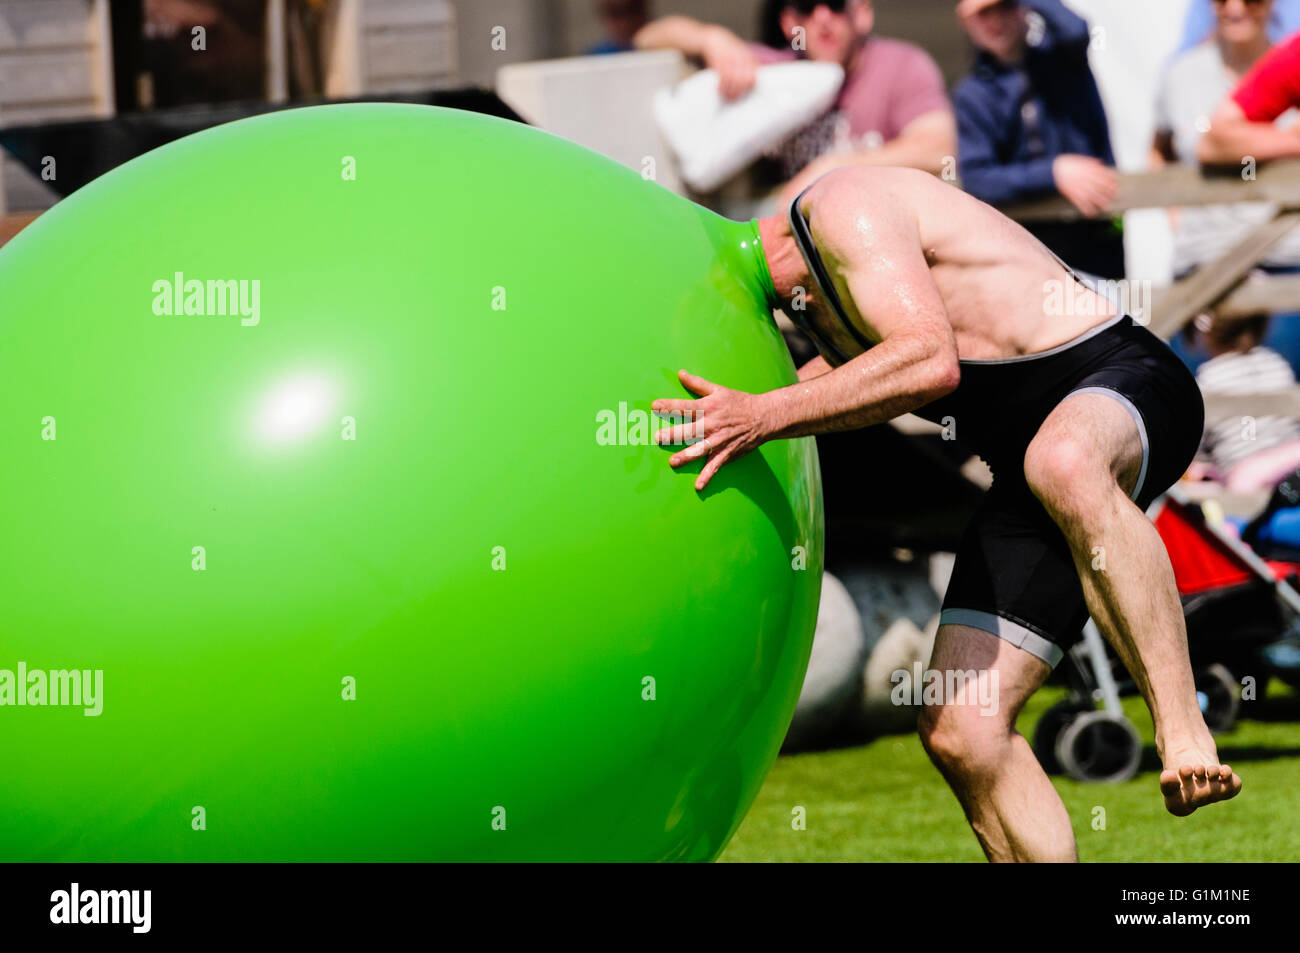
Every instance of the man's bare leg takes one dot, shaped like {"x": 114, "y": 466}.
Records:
{"x": 1010, "y": 803}
{"x": 1081, "y": 465}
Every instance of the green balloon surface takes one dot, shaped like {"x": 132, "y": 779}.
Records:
{"x": 375, "y": 555}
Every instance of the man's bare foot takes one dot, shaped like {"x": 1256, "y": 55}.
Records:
{"x": 1191, "y": 780}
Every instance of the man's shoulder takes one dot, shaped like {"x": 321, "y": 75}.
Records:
{"x": 857, "y": 210}
{"x": 874, "y": 174}
{"x": 848, "y": 191}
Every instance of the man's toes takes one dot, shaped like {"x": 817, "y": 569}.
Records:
{"x": 1174, "y": 782}
{"x": 1223, "y": 789}
{"x": 1232, "y": 784}
{"x": 1178, "y": 805}
{"x": 1190, "y": 786}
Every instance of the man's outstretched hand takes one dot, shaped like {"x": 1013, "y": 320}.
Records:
{"x": 724, "y": 425}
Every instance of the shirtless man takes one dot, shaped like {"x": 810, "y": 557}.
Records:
{"x": 923, "y": 299}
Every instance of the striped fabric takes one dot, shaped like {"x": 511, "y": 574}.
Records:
{"x": 1257, "y": 371}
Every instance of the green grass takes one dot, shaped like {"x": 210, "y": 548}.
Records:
{"x": 884, "y": 801}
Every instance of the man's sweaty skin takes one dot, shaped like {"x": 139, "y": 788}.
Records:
{"x": 936, "y": 276}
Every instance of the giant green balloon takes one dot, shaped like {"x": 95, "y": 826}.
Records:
{"x": 385, "y": 567}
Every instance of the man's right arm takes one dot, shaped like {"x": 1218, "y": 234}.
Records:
{"x": 877, "y": 246}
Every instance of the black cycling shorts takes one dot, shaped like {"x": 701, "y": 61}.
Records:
{"x": 1014, "y": 576}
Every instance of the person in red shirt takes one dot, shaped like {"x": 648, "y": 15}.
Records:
{"x": 1252, "y": 124}
{"x": 1243, "y": 125}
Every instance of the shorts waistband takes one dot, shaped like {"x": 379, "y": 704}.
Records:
{"x": 1059, "y": 349}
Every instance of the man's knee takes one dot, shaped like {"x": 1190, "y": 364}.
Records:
{"x": 962, "y": 740}
{"x": 1063, "y": 472}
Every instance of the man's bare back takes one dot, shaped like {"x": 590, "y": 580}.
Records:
{"x": 1002, "y": 290}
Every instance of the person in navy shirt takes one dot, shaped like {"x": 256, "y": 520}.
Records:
{"x": 1030, "y": 123}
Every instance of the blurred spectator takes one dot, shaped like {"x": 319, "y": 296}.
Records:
{"x": 1245, "y": 124}
{"x": 230, "y": 65}
{"x": 621, "y": 19}
{"x": 892, "y": 109}
{"x": 1193, "y": 86}
{"x": 1245, "y": 456}
{"x": 1190, "y": 90}
{"x": 1200, "y": 23}
{"x": 1030, "y": 123}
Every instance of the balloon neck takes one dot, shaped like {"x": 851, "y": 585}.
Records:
{"x": 752, "y": 243}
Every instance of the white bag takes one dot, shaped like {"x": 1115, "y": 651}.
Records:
{"x": 713, "y": 139}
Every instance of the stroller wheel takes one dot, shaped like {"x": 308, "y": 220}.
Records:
{"x": 1097, "y": 746}
{"x": 1219, "y": 695}
{"x": 1049, "y": 728}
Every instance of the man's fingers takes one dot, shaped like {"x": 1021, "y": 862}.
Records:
{"x": 747, "y": 74}
{"x": 1084, "y": 203}
{"x": 715, "y": 463}
{"x": 1103, "y": 189}
{"x": 1081, "y": 203}
{"x": 696, "y": 385}
{"x": 680, "y": 433}
{"x": 1104, "y": 186}
{"x": 731, "y": 80}
{"x": 736, "y": 74}
{"x": 1107, "y": 191}
{"x": 684, "y": 408}
{"x": 695, "y": 451}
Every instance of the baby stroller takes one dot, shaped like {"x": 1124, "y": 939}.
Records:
{"x": 1240, "y": 609}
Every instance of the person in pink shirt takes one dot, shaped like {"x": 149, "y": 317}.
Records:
{"x": 892, "y": 109}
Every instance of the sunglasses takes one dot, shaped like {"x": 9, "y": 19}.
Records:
{"x": 1249, "y": 3}
{"x": 805, "y": 7}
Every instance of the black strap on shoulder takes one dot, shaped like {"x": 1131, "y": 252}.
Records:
{"x": 803, "y": 238}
